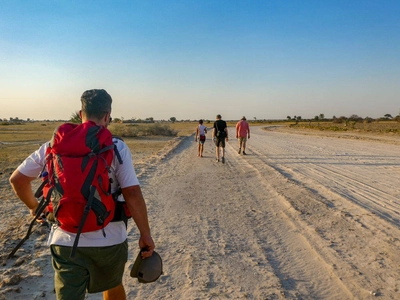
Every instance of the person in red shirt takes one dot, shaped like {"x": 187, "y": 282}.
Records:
{"x": 242, "y": 134}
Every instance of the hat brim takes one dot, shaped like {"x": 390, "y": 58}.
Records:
{"x": 154, "y": 262}
{"x": 135, "y": 267}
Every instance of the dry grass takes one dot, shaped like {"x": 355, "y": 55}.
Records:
{"x": 18, "y": 141}
{"x": 27, "y": 132}
{"x": 381, "y": 127}
{"x": 185, "y": 128}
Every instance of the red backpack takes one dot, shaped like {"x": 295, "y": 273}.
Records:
{"x": 78, "y": 161}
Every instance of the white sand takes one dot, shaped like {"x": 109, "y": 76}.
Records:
{"x": 302, "y": 216}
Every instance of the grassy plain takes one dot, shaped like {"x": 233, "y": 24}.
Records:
{"x": 372, "y": 127}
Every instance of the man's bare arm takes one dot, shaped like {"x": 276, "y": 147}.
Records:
{"x": 137, "y": 207}
{"x": 22, "y": 187}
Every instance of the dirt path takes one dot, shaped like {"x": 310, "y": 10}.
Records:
{"x": 299, "y": 217}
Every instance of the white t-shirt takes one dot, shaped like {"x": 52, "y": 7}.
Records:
{"x": 123, "y": 175}
{"x": 202, "y": 129}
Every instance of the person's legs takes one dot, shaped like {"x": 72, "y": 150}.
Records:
{"x": 217, "y": 145}
{"x": 117, "y": 293}
{"x": 244, "y": 147}
{"x": 201, "y": 150}
{"x": 198, "y": 149}
{"x": 223, "y": 150}
{"x": 240, "y": 144}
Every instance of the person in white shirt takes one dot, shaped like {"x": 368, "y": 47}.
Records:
{"x": 201, "y": 131}
{"x": 100, "y": 258}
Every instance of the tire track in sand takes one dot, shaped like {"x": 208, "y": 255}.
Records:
{"x": 360, "y": 247}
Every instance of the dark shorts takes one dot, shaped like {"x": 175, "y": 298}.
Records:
{"x": 220, "y": 142}
{"x": 95, "y": 269}
{"x": 202, "y": 139}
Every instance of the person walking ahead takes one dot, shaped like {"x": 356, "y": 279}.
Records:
{"x": 242, "y": 134}
{"x": 201, "y": 132}
{"x": 100, "y": 256}
{"x": 220, "y": 134}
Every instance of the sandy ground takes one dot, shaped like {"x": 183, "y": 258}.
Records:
{"x": 305, "y": 215}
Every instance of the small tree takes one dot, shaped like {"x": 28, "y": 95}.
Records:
{"x": 368, "y": 120}
{"x": 388, "y": 116}
{"x": 355, "y": 118}
{"x": 76, "y": 118}
{"x": 172, "y": 119}
{"x": 321, "y": 116}
{"x": 289, "y": 118}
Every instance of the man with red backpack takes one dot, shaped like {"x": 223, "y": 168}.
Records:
{"x": 86, "y": 175}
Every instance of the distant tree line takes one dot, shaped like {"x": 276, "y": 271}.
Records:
{"x": 343, "y": 119}
{"x": 75, "y": 118}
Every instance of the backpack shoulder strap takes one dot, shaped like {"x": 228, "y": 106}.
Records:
{"x": 117, "y": 154}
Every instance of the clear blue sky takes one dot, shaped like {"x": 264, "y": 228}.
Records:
{"x": 195, "y": 59}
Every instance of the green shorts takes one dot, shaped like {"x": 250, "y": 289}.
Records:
{"x": 94, "y": 269}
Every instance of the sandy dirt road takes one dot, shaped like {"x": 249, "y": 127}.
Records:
{"x": 299, "y": 217}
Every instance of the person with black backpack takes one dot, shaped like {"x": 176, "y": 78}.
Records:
{"x": 89, "y": 189}
{"x": 219, "y": 135}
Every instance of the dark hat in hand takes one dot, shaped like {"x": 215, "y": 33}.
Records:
{"x": 147, "y": 269}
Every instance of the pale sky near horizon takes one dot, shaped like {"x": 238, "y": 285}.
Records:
{"x": 195, "y": 59}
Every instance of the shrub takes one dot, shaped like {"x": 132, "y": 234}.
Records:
{"x": 134, "y": 130}
{"x": 76, "y": 118}
{"x": 368, "y": 120}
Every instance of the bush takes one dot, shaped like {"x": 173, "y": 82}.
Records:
{"x": 368, "y": 120}
{"x": 134, "y": 130}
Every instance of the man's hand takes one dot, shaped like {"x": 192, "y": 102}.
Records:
{"x": 42, "y": 218}
{"x": 146, "y": 242}
{"x": 33, "y": 210}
